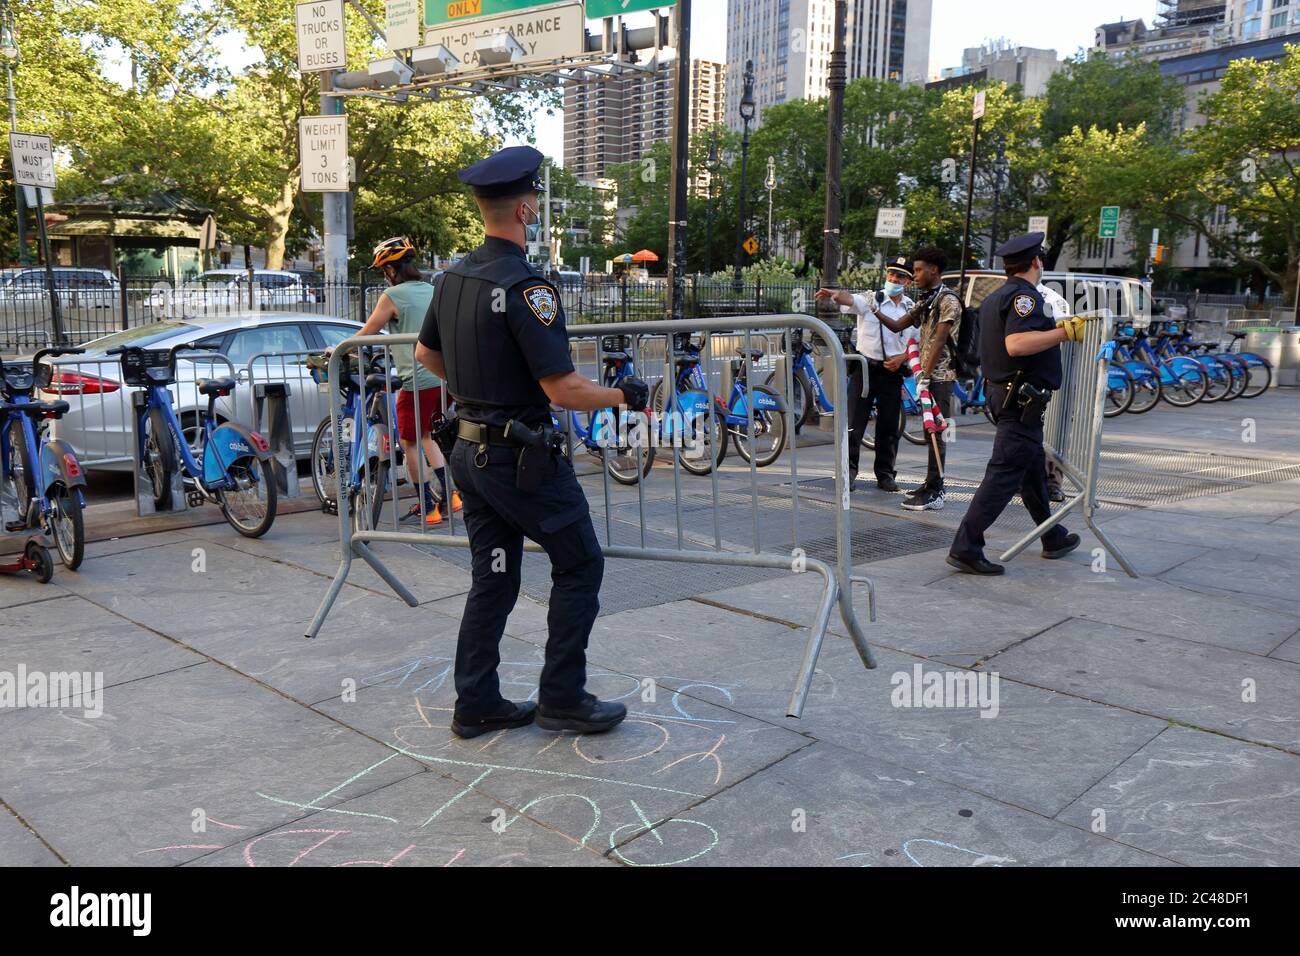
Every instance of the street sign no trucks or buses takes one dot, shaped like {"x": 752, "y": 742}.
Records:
{"x": 889, "y": 223}
{"x": 978, "y": 111}
{"x": 33, "y": 160}
{"x": 323, "y": 144}
{"x": 548, "y": 33}
{"x": 322, "y": 36}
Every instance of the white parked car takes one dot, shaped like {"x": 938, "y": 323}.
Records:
{"x": 222, "y": 291}
{"x": 98, "y": 424}
{"x": 76, "y": 287}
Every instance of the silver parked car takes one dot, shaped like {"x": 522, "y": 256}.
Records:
{"x": 98, "y": 424}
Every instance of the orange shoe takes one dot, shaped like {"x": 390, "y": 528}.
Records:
{"x": 456, "y": 503}
{"x": 435, "y": 517}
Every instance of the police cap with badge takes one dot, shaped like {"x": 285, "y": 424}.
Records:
{"x": 508, "y": 172}
{"x": 901, "y": 265}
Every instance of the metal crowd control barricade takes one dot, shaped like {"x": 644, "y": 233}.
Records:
{"x": 691, "y": 546}
{"x": 1072, "y": 431}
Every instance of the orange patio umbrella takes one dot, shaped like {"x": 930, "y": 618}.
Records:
{"x": 645, "y": 255}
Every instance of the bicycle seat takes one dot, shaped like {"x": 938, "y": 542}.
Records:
{"x": 36, "y": 409}
{"x": 614, "y": 358}
{"x": 753, "y": 354}
{"x": 381, "y": 380}
{"x": 1236, "y": 335}
{"x": 216, "y": 386}
{"x": 1124, "y": 339}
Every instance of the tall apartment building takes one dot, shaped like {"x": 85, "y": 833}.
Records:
{"x": 616, "y": 119}
{"x": 1248, "y": 20}
{"x": 1027, "y": 67}
{"x": 790, "y": 43}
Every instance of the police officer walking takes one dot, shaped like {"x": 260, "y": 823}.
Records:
{"x": 495, "y": 332}
{"x": 1020, "y": 355}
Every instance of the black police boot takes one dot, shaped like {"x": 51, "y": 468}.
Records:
{"x": 981, "y": 565}
{"x": 888, "y": 484}
{"x": 592, "y": 716}
{"x": 1071, "y": 542}
{"x": 519, "y": 715}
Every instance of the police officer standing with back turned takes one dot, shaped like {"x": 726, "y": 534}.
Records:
{"x": 1020, "y": 354}
{"x": 495, "y": 332}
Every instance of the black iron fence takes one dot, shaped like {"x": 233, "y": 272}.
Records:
{"x": 85, "y": 304}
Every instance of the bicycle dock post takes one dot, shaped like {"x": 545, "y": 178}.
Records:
{"x": 1072, "y": 432}
{"x": 271, "y": 418}
{"x": 691, "y": 544}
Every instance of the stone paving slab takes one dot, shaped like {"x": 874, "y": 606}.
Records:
{"x": 427, "y": 819}
{"x": 864, "y": 812}
{"x": 1178, "y": 680}
{"x": 1201, "y": 799}
{"x": 910, "y": 617}
{"x": 1288, "y": 650}
{"x": 311, "y": 541}
{"x": 1039, "y": 750}
{"x": 1149, "y": 604}
{"x": 71, "y": 635}
{"x": 668, "y": 755}
{"x": 1251, "y": 575}
{"x": 114, "y": 790}
{"x": 1224, "y": 533}
{"x": 19, "y": 846}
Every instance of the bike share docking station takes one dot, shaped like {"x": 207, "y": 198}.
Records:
{"x": 146, "y": 502}
{"x": 271, "y": 419}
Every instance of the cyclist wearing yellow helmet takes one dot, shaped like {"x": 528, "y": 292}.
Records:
{"x": 401, "y": 309}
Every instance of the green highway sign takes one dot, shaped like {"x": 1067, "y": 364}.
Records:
{"x": 597, "y": 9}
{"x": 437, "y": 12}
{"x": 1109, "y": 222}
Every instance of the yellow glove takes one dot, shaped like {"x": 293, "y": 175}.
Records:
{"x": 1073, "y": 328}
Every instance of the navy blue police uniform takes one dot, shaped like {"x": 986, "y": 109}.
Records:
{"x": 1018, "y": 390}
{"x": 500, "y": 327}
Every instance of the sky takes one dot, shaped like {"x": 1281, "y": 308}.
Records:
{"x": 1062, "y": 25}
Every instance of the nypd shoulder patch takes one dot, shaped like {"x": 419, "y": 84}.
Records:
{"x": 1023, "y": 304}
{"x": 541, "y": 299}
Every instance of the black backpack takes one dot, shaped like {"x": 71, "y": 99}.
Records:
{"x": 966, "y": 359}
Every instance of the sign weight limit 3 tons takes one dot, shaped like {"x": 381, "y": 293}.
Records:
{"x": 323, "y": 143}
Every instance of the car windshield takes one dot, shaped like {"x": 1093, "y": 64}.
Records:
{"x": 141, "y": 335}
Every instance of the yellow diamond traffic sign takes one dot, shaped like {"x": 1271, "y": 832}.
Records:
{"x": 750, "y": 245}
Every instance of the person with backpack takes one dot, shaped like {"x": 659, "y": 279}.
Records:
{"x": 938, "y": 316}
{"x": 885, "y": 352}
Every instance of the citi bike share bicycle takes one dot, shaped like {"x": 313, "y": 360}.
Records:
{"x": 710, "y": 421}
{"x": 41, "y": 474}
{"x": 229, "y": 465}
{"x": 604, "y": 437}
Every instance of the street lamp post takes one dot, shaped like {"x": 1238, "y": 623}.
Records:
{"x": 9, "y": 53}
{"x": 747, "y": 116}
{"x": 999, "y": 183}
{"x": 708, "y": 228}
{"x": 770, "y": 183}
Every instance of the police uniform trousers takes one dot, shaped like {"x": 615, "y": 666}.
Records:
{"x": 1018, "y": 464}
{"x": 885, "y": 392}
{"x": 498, "y": 516}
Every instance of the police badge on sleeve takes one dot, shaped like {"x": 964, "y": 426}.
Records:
{"x": 541, "y": 299}
{"x": 1023, "y": 304}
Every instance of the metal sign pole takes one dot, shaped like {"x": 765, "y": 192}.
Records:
{"x": 56, "y": 317}
{"x": 970, "y": 203}
{"x": 681, "y": 142}
{"x": 831, "y": 247}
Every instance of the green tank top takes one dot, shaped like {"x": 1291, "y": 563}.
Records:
{"x": 412, "y": 301}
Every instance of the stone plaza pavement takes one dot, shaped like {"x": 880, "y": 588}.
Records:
{"x": 1138, "y": 722}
